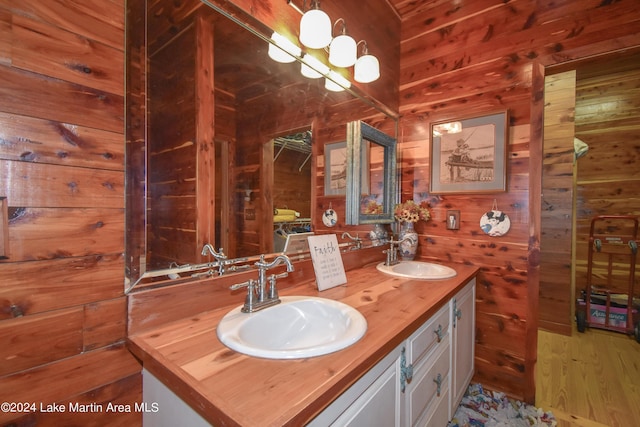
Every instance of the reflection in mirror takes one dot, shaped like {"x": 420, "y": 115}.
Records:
{"x": 207, "y": 161}
{"x": 371, "y": 175}
{"x": 291, "y": 187}
{"x": 225, "y": 194}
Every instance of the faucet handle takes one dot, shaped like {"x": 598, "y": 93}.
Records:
{"x": 273, "y": 291}
{"x": 249, "y": 301}
{"x": 248, "y": 284}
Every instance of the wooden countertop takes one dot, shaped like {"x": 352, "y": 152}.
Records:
{"x": 228, "y": 388}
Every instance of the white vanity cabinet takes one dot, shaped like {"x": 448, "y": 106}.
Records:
{"x": 421, "y": 382}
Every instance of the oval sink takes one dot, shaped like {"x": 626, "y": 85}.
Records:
{"x": 418, "y": 270}
{"x": 298, "y": 327}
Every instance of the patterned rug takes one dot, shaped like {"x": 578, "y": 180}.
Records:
{"x": 481, "y": 408}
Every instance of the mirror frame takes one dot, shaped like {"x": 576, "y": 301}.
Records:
{"x": 357, "y": 133}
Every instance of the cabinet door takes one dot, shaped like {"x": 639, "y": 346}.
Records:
{"x": 378, "y": 405}
{"x": 158, "y": 396}
{"x": 374, "y": 400}
{"x": 463, "y": 334}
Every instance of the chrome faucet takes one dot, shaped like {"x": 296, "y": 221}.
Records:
{"x": 208, "y": 248}
{"x": 220, "y": 257}
{"x": 258, "y": 296}
{"x": 392, "y": 252}
{"x": 357, "y": 240}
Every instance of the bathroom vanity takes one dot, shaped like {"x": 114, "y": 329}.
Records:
{"x": 412, "y": 366}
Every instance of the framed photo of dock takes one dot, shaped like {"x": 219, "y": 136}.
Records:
{"x": 469, "y": 154}
{"x": 335, "y": 170}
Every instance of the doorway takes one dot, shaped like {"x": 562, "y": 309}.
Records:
{"x": 596, "y": 102}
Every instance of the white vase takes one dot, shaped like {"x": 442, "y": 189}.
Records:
{"x": 408, "y": 247}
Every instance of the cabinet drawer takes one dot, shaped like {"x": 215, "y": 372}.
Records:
{"x": 428, "y": 393}
{"x": 438, "y": 417}
{"x": 426, "y": 339}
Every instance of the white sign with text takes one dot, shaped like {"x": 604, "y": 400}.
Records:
{"x": 327, "y": 261}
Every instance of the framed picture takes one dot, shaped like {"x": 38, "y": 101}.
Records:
{"x": 335, "y": 169}
{"x": 453, "y": 219}
{"x": 468, "y": 155}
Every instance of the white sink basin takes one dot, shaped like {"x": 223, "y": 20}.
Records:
{"x": 298, "y": 327}
{"x": 418, "y": 270}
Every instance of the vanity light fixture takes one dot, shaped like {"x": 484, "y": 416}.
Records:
{"x": 367, "y": 67}
{"x": 316, "y": 32}
{"x": 315, "y": 27}
{"x": 343, "y": 49}
{"x": 282, "y": 49}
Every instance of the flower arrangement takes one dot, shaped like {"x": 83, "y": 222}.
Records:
{"x": 410, "y": 211}
{"x": 373, "y": 208}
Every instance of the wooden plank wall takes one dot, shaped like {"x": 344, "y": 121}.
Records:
{"x": 62, "y": 308}
{"x": 478, "y": 57}
{"x": 608, "y": 177}
{"x": 556, "y": 232}
{"x": 61, "y": 169}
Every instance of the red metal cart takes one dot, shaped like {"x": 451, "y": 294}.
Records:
{"x": 609, "y": 300}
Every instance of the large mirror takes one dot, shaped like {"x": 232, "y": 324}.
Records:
{"x": 220, "y": 137}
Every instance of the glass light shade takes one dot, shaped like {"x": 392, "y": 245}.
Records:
{"x": 309, "y": 72}
{"x": 367, "y": 69}
{"x": 312, "y": 67}
{"x": 332, "y": 86}
{"x": 284, "y": 50}
{"x": 336, "y": 82}
{"x": 315, "y": 29}
{"x": 343, "y": 51}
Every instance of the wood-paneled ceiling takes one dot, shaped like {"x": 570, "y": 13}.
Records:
{"x": 408, "y": 8}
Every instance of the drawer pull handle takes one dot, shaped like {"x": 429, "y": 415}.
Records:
{"x": 439, "y": 333}
{"x": 406, "y": 372}
{"x": 438, "y": 381}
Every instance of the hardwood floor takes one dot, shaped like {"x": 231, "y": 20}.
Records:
{"x": 589, "y": 379}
